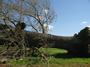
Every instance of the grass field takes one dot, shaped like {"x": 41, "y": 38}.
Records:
{"x": 60, "y": 58}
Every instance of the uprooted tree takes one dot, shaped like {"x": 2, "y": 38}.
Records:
{"x": 77, "y": 44}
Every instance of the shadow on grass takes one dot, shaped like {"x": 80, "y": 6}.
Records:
{"x": 67, "y": 55}
{"x": 62, "y": 55}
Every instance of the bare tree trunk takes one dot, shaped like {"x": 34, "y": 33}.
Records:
{"x": 61, "y": 42}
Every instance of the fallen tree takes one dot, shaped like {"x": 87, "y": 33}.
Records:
{"x": 77, "y": 44}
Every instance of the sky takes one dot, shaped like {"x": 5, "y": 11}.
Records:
{"x": 72, "y": 16}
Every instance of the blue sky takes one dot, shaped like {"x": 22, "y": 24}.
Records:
{"x": 72, "y": 16}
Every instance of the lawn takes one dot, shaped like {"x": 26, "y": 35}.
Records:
{"x": 60, "y": 58}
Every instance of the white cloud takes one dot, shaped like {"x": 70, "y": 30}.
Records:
{"x": 39, "y": 32}
{"x": 84, "y": 22}
{"x": 48, "y": 26}
{"x": 41, "y": 18}
{"x": 45, "y": 10}
{"x": 88, "y": 26}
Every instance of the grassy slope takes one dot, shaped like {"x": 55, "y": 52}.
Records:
{"x": 60, "y": 58}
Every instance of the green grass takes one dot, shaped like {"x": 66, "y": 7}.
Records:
{"x": 60, "y": 57}
{"x": 54, "y": 50}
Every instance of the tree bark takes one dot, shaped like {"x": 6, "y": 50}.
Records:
{"x": 62, "y": 42}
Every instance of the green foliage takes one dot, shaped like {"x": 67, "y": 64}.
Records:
{"x": 83, "y": 34}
